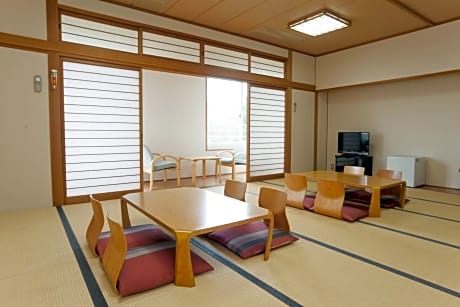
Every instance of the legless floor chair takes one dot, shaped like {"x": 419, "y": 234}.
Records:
{"x": 329, "y": 201}
{"x": 248, "y": 240}
{"x": 295, "y": 187}
{"x": 135, "y": 236}
{"x": 137, "y": 269}
{"x": 235, "y": 189}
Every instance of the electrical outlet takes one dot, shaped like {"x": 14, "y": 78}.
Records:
{"x": 332, "y": 167}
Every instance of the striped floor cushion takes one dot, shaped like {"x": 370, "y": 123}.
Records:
{"x": 151, "y": 266}
{"x": 350, "y": 212}
{"x": 364, "y": 197}
{"x": 248, "y": 240}
{"x": 135, "y": 236}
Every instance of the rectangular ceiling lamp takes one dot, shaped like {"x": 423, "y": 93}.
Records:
{"x": 318, "y": 24}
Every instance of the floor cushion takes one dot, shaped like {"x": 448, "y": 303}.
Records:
{"x": 249, "y": 239}
{"x": 135, "y": 236}
{"x": 309, "y": 202}
{"x": 151, "y": 266}
{"x": 353, "y": 213}
{"x": 364, "y": 197}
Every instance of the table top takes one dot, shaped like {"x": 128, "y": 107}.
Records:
{"x": 194, "y": 210}
{"x": 201, "y": 158}
{"x": 353, "y": 180}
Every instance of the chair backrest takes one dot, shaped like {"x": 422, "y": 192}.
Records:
{"x": 329, "y": 198}
{"x": 148, "y": 157}
{"x": 235, "y": 189}
{"x": 388, "y": 173}
{"x": 353, "y": 170}
{"x": 295, "y": 187}
{"x": 275, "y": 201}
{"x": 95, "y": 225}
{"x": 115, "y": 253}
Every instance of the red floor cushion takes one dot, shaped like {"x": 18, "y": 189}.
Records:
{"x": 309, "y": 202}
{"x": 135, "y": 236}
{"x": 151, "y": 266}
{"x": 353, "y": 213}
{"x": 248, "y": 240}
{"x": 364, "y": 197}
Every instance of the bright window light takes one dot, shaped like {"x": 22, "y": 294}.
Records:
{"x": 318, "y": 24}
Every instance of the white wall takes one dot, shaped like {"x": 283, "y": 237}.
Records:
{"x": 303, "y": 68}
{"x": 302, "y": 131}
{"x": 424, "y": 52}
{"x": 23, "y": 17}
{"x": 412, "y": 117}
{"x": 25, "y": 165}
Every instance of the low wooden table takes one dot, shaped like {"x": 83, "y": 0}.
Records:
{"x": 373, "y": 183}
{"x": 188, "y": 212}
{"x": 203, "y": 160}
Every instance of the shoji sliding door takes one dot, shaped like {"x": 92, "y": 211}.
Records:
{"x": 101, "y": 129}
{"x": 267, "y": 133}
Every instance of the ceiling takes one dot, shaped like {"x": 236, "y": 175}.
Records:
{"x": 267, "y": 20}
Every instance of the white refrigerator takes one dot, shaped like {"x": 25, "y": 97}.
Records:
{"x": 412, "y": 168}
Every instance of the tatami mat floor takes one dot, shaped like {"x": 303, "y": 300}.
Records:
{"x": 407, "y": 257}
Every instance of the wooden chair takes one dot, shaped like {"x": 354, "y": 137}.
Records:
{"x": 228, "y": 160}
{"x": 154, "y": 162}
{"x": 295, "y": 187}
{"x": 133, "y": 270}
{"x": 235, "y": 189}
{"x": 275, "y": 201}
{"x": 392, "y": 192}
{"x": 353, "y": 170}
{"x": 136, "y": 235}
{"x": 329, "y": 199}
{"x": 249, "y": 239}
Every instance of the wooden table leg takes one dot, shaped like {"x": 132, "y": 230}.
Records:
{"x": 203, "y": 171}
{"x": 124, "y": 213}
{"x": 184, "y": 270}
{"x": 374, "y": 208}
{"x": 268, "y": 245}
{"x": 218, "y": 170}
{"x": 194, "y": 173}
{"x": 402, "y": 195}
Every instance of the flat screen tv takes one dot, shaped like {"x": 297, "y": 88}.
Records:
{"x": 353, "y": 143}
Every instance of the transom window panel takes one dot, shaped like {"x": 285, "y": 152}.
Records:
{"x": 263, "y": 66}
{"x": 170, "y": 47}
{"x": 86, "y": 32}
{"x": 226, "y": 108}
{"x": 267, "y": 131}
{"x": 226, "y": 58}
{"x": 101, "y": 122}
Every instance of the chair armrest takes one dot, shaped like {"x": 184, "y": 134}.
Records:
{"x": 226, "y": 152}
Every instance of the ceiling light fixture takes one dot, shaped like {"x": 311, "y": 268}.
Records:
{"x": 319, "y": 24}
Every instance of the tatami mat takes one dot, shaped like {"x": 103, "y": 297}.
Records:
{"x": 404, "y": 258}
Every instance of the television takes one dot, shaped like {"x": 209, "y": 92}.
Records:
{"x": 353, "y": 143}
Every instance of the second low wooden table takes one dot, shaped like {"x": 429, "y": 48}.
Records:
{"x": 203, "y": 160}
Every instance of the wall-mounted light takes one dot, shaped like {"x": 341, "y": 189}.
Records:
{"x": 320, "y": 23}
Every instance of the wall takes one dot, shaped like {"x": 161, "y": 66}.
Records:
{"x": 25, "y": 180}
{"x": 23, "y": 17}
{"x": 428, "y": 51}
{"x": 412, "y": 117}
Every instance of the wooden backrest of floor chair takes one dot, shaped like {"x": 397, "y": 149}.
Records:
{"x": 275, "y": 201}
{"x": 95, "y": 225}
{"x": 115, "y": 253}
{"x": 329, "y": 198}
{"x": 235, "y": 189}
{"x": 295, "y": 187}
{"x": 353, "y": 170}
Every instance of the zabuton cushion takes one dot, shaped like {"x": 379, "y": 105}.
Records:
{"x": 353, "y": 213}
{"x": 135, "y": 236}
{"x": 248, "y": 240}
{"x": 151, "y": 266}
{"x": 309, "y": 202}
{"x": 364, "y": 197}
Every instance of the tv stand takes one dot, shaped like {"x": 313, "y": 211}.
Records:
{"x": 355, "y": 160}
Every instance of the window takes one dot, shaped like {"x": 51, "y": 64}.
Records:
{"x": 226, "y": 114}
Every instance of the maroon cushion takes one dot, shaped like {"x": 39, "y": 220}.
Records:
{"x": 352, "y": 213}
{"x": 248, "y": 240}
{"x": 364, "y": 197}
{"x": 135, "y": 236}
{"x": 309, "y": 202}
{"x": 151, "y": 266}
